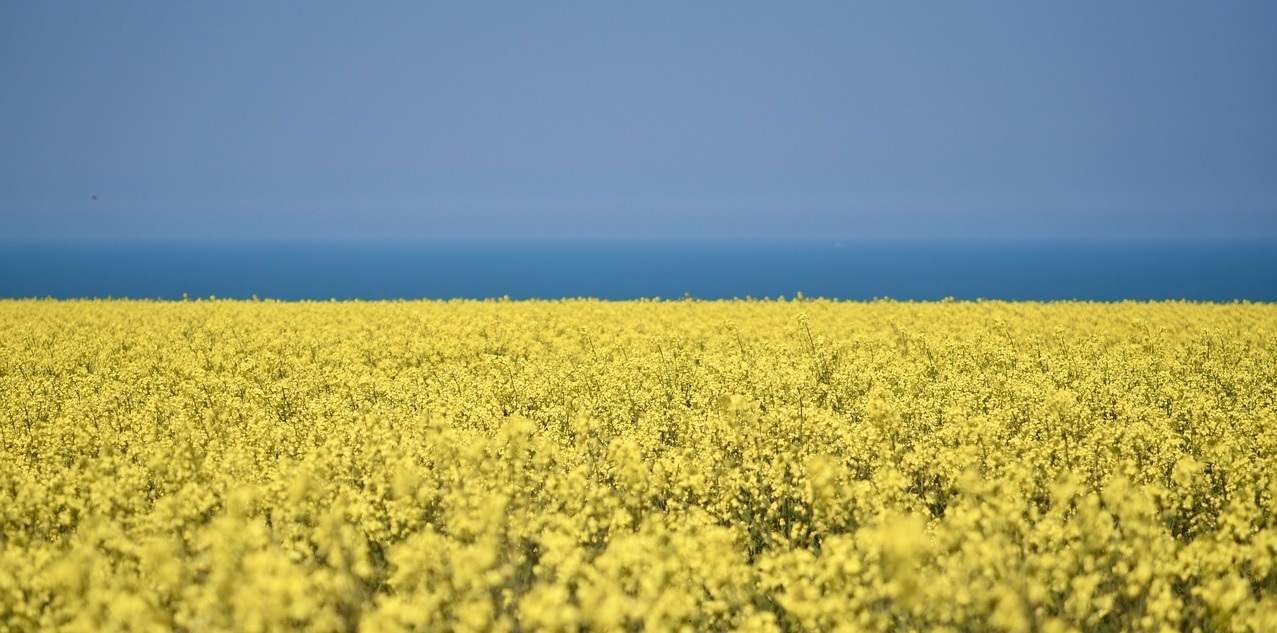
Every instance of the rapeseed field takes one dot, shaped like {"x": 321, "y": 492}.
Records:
{"x": 576, "y": 465}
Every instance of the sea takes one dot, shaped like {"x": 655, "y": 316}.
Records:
{"x": 1208, "y": 270}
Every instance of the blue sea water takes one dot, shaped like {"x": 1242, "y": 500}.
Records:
{"x": 1096, "y": 270}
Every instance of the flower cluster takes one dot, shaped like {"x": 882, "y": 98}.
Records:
{"x": 656, "y": 465}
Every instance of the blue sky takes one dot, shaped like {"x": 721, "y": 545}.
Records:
{"x": 706, "y": 119}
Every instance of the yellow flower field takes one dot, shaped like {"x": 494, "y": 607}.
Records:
{"x": 651, "y": 465}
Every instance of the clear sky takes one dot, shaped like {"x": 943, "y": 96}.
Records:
{"x": 610, "y": 119}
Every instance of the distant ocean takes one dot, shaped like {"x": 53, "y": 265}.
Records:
{"x": 1097, "y": 270}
